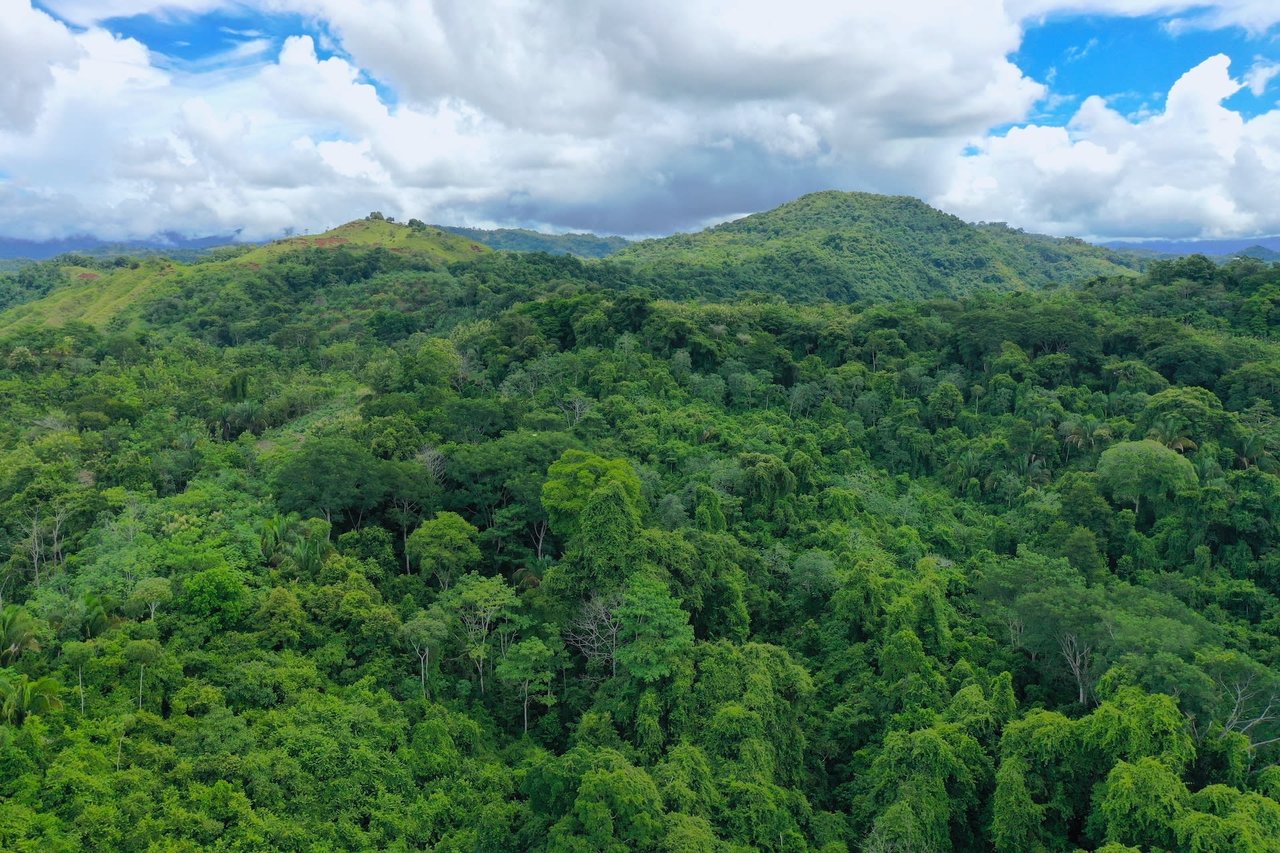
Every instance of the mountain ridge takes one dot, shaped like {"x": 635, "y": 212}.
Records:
{"x": 852, "y": 246}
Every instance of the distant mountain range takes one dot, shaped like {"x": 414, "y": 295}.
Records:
{"x": 1265, "y": 248}
{"x": 172, "y": 244}
{"x": 856, "y": 221}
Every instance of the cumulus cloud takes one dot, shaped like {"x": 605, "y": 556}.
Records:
{"x": 619, "y": 117}
{"x": 1256, "y": 16}
{"x": 1260, "y": 76}
{"x": 622, "y": 117}
{"x": 1194, "y": 169}
{"x": 32, "y": 45}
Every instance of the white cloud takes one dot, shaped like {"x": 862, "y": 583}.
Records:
{"x": 32, "y": 45}
{"x": 1256, "y": 16}
{"x": 1260, "y": 76}
{"x": 1195, "y": 169}
{"x": 86, "y": 13}
{"x": 595, "y": 114}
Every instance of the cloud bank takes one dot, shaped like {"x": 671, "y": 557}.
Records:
{"x": 623, "y": 118}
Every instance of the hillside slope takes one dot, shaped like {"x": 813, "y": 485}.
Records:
{"x": 524, "y": 240}
{"x": 851, "y": 246}
{"x": 111, "y": 290}
{"x": 429, "y": 242}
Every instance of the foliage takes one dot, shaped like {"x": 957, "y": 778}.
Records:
{"x": 337, "y": 547}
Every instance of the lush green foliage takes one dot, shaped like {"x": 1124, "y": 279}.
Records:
{"x": 345, "y": 548}
{"x": 857, "y": 246}
{"x": 523, "y": 240}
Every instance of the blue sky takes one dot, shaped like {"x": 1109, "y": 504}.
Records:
{"x": 1132, "y": 61}
{"x": 205, "y": 116}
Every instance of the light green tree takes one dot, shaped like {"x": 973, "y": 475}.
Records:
{"x": 527, "y": 666}
{"x": 444, "y": 546}
{"x": 655, "y": 630}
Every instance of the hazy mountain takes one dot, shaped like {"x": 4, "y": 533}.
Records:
{"x": 1213, "y": 248}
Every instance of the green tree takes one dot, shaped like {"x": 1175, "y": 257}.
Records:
{"x": 77, "y": 654}
{"x": 329, "y": 477}
{"x": 423, "y": 633}
{"x": 1132, "y": 470}
{"x": 149, "y": 594}
{"x": 527, "y": 666}
{"x": 655, "y": 630}
{"x": 18, "y": 633}
{"x": 574, "y": 477}
{"x": 444, "y": 546}
{"x": 217, "y": 595}
{"x": 479, "y": 606}
{"x": 142, "y": 653}
{"x": 22, "y": 696}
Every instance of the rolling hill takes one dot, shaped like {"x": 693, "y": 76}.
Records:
{"x": 853, "y": 246}
{"x": 832, "y": 246}
{"x": 99, "y": 294}
{"x": 427, "y": 241}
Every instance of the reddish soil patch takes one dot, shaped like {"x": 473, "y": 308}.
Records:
{"x": 326, "y": 242}
{"x": 475, "y": 247}
{"x": 88, "y": 276}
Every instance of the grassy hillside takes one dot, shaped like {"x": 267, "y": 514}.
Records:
{"x": 52, "y": 294}
{"x": 524, "y": 240}
{"x": 92, "y": 295}
{"x": 851, "y": 246}
{"x": 378, "y": 233}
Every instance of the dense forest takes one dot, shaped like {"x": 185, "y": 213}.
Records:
{"x": 335, "y": 546}
{"x": 524, "y": 240}
{"x": 846, "y": 247}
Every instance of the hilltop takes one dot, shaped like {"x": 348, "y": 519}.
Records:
{"x": 376, "y": 233}
{"x": 852, "y": 246}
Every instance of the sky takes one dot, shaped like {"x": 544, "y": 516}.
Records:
{"x": 1102, "y": 119}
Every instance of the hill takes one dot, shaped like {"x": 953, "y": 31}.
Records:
{"x": 76, "y": 288}
{"x": 852, "y": 246}
{"x": 374, "y": 233}
{"x": 524, "y": 240}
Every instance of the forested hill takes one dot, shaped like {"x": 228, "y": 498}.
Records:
{"x": 342, "y": 544}
{"x": 856, "y": 246}
{"x": 524, "y": 240}
{"x": 119, "y": 289}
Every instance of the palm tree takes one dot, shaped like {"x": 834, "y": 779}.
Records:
{"x": 20, "y": 697}
{"x": 17, "y": 633}
{"x": 1253, "y": 451}
{"x": 1099, "y": 431}
{"x": 1171, "y": 431}
{"x": 1074, "y": 433}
